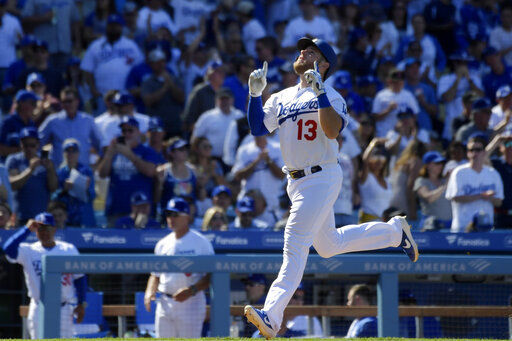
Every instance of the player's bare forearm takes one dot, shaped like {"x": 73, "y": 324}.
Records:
{"x": 150, "y": 293}
{"x": 330, "y": 121}
{"x": 203, "y": 283}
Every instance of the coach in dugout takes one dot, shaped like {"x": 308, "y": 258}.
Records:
{"x": 29, "y": 257}
{"x": 181, "y": 309}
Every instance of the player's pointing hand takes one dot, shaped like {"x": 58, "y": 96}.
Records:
{"x": 258, "y": 81}
{"x": 314, "y": 78}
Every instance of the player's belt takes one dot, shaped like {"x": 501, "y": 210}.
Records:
{"x": 300, "y": 173}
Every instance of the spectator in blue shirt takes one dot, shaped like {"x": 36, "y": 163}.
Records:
{"x": 266, "y": 50}
{"x": 343, "y": 84}
{"x": 131, "y": 167}
{"x": 237, "y": 83}
{"x": 156, "y": 135}
{"x": 12, "y": 125}
{"x": 360, "y": 294}
{"x": 70, "y": 123}
{"x": 78, "y": 205}
{"x": 499, "y": 74}
{"x": 14, "y": 70}
{"x": 32, "y": 176}
{"x": 139, "y": 217}
{"x": 245, "y": 217}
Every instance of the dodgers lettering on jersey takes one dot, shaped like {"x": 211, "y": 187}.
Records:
{"x": 295, "y": 112}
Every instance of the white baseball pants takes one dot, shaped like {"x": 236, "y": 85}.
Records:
{"x": 66, "y": 320}
{"x": 180, "y": 319}
{"x": 311, "y": 222}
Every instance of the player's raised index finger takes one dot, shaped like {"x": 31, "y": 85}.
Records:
{"x": 265, "y": 68}
{"x": 316, "y": 66}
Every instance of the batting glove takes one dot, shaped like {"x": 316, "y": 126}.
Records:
{"x": 258, "y": 81}
{"x": 314, "y": 79}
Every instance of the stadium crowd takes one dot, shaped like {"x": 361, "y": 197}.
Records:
{"x": 112, "y": 108}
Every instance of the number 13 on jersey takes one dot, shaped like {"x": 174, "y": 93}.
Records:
{"x": 306, "y": 130}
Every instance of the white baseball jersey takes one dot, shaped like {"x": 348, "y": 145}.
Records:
{"x": 213, "y": 124}
{"x": 110, "y": 64}
{"x": 466, "y": 181}
{"x": 193, "y": 243}
{"x": 318, "y": 27}
{"x": 403, "y": 99}
{"x": 295, "y": 112}
{"x": 29, "y": 256}
{"x": 159, "y": 18}
{"x": 10, "y": 34}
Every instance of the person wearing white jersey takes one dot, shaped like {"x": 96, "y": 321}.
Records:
{"x": 474, "y": 188}
{"x": 29, "y": 257}
{"x": 181, "y": 309}
{"x": 310, "y": 117}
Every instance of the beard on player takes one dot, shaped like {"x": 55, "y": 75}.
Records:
{"x": 301, "y": 65}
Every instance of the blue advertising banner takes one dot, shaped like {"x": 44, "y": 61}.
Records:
{"x": 115, "y": 240}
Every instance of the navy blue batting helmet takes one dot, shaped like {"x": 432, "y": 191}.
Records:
{"x": 325, "y": 48}
{"x": 178, "y": 205}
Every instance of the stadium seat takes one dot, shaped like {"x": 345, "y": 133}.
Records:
{"x": 145, "y": 320}
{"x": 93, "y": 318}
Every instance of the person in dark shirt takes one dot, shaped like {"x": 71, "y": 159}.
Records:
{"x": 499, "y": 73}
{"x": 26, "y": 102}
{"x": 255, "y": 288}
{"x": 440, "y": 18}
{"x": 467, "y": 101}
{"x": 139, "y": 217}
{"x": 359, "y": 60}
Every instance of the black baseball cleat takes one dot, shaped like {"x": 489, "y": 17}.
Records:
{"x": 408, "y": 244}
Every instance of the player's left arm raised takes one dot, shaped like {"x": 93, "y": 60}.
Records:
{"x": 330, "y": 120}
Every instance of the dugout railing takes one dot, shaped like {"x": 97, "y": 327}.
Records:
{"x": 386, "y": 267}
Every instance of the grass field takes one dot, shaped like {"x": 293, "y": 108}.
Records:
{"x": 239, "y": 338}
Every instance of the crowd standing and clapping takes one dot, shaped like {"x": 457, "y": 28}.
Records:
{"x": 109, "y": 105}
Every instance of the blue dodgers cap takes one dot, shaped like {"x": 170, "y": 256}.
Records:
{"x": 479, "y": 135}
{"x": 255, "y": 278}
{"x": 178, "y": 144}
{"x": 221, "y": 189}
{"x": 155, "y": 124}
{"x": 27, "y": 40}
{"x": 246, "y": 204}
{"x": 179, "y": 205}
{"x": 411, "y": 61}
{"x": 326, "y": 50}
{"x": 40, "y": 43}
{"x": 123, "y": 98}
{"x": 115, "y": 19}
{"x": 342, "y": 80}
{"x": 73, "y": 61}
{"x": 489, "y": 51}
{"x": 70, "y": 143}
{"x": 405, "y": 112}
{"x": 503, "y": 91}
{"x": 139, "y": 198}
{"x": 433, "y": 156}
{"x": 366, "y": 80}
{"x": 45, "y": 218}
{"x": 34, "y": 77}
{"x": 130, "y": 121}
{"x": 29, "y": 132}
{"x": 480, "y": 104}
{"x": 25, "y": 95}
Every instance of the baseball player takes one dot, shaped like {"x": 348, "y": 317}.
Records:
{"x": 181, "y": 309}
{"x": 29, "y": 257}
{"x": 310, "y": 116}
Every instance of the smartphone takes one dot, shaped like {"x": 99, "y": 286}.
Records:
{"x": 44, "y": 154}
{"x": 121, "y": 140}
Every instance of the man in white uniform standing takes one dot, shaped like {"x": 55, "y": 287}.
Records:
{"x": 310, "y": 117}
{"x": 181, "y": 309}
{"x": 29, "y": 257}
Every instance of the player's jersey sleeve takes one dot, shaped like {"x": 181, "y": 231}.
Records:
{"x": 271, "y": 110}
{"x": 339, "y": 104}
